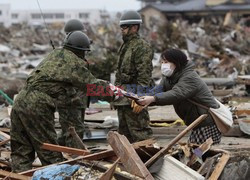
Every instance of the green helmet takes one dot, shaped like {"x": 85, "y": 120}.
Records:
{"x": 77, "y": 40}
{"x": 130, "y": 17}
{"x": 73, "y": 25}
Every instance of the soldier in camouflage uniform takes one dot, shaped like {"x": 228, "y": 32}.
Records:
{"x": 73, "y": 115}
{"x": 51, "y": 84}
{"x": 133, "y": 72}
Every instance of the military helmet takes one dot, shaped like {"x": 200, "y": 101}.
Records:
{"x": 130, "y": 17}
{"x": 77, "y": 40}
{"x": 73, "y": 25}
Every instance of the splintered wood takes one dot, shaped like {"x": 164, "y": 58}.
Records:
{"x": 128, "y": 156}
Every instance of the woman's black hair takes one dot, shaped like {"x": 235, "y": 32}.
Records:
{"x": 176, "y": 57}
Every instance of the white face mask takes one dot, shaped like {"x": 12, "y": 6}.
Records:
{"x": 166, "y": 70}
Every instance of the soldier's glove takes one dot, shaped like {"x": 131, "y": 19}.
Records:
{"x": 136, "y": 107}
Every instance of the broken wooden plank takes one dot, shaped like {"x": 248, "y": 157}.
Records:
{"x": 175, "y": 140}
{"x": 145, "y": 143}
{"x": 118, "y": 175}
{"x": 11, "y": 175}
{"x": 73, "y": 133}
{"x": 58, "y": 148}
{"x": 6, "y": 130}
{"x": 110, "y": 172}
{"x": 95, "y": 156}
{"x": 228, "y": 18}
{"x": 243, "y": 79}
{"x": 199, "y": 151}
{"x": 205, "y": 167}
{"x": 209, "y": 169}
{"x": 129, "y": 158}
{"x": 4, "y": 142}
{"x": 4, "y": 163}
{"x": 220, "y": 166}
{"x": 6, "y": 136}
{"x": 172, "y": 169}
{"x": 240, "y": 112}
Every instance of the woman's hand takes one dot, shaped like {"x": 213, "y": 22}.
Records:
{"x": 146, "y": 100}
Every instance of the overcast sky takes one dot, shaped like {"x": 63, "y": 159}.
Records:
{"x": 110, "y": 5}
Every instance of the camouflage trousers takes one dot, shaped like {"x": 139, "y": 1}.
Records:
{"x": 32, "y": 123}
{"x": 134, "y": 126}
{"x": 71, "y": 117}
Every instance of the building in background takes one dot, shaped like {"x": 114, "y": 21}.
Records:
{"x": 159, "y": 11}
{"x": 5, "y": 14}
{"x": 33, "y": 17}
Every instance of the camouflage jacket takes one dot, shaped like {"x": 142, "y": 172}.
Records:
{"x": 134, "y": 66}
{"x": 61, "y": 75}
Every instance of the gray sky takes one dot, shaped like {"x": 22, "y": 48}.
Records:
{"x": 110, "y": 5}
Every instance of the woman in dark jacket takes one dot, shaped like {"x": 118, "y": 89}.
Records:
{"x": 181, "y": 83}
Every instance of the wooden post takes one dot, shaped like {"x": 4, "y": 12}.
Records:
{"x": 164, "y": 150}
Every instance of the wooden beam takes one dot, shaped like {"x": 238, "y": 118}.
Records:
{"x": 243, "y": 79}
{"x": 203, "y": 148}
{"x": 57, "y": 148}
{"x": 6, "y": 136}
{"x": 4, "y": 142}
{"x": 11, "y": 175}
{"x": 164, "y": 150}
{"x": 95, "y": 156}
{"x": 220, "y": 166}
{"x": 6, "y": 130}
{"x": 101, "y": 167}
{"x": 129, "y": 158}
{"x": 240, "y": 112}
{"x": 205, "y": 167}
{"x": 145, "y": 143}
{"x": 110, "y": 172}
{"x": 73, "y": 133}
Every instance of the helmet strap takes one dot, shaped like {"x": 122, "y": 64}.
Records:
{"x": 86, "y": 62}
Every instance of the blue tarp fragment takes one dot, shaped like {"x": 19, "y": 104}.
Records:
{"x": 56, "y": 172}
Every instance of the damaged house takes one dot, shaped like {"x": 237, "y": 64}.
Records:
{"x": 160, "y": 11}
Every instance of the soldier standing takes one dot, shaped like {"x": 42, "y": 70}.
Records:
{"x": 51, "y": 84}
{"x": 72, "y": 116}
{"x": 133, "y": 72}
